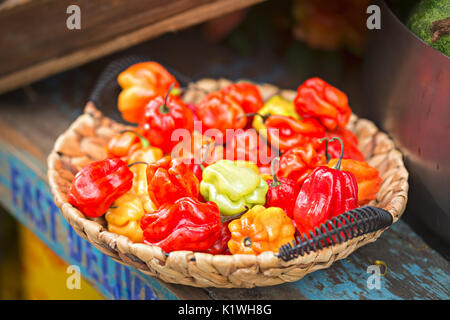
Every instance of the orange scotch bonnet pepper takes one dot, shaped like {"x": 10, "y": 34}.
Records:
{"x": 140, "y": 83}
{"x": 260, "y": 229}
{"x": 367, "y": 178}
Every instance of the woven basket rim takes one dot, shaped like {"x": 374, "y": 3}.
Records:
{"x": 204, "y": 269}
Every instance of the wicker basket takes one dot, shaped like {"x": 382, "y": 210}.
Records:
{"x": 85, "y": 142}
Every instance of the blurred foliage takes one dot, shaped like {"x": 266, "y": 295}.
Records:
{"x": 319, "y": 24}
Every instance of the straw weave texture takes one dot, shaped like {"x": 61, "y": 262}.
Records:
{"x": 85, "y": 141}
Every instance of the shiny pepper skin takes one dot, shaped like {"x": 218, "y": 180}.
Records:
{"x": 367, "y": 178}
{"x": 198, "y": 148}
{"x": 274, "y": 106}
{"x": 247, "y": 145}
{"x": 299, "y": 162}
{"x": 186, "y": 224}
{"x": 140, "y": 187}
{"x": 218, "y": 112}
{"x": 282, "y": 193}
{"x": 318, "y": 99}
{"x": 350, "y": 141}
{"x": 260, "y": 229}
{"x": 98, "y": 185}
{"x": 285, "y": 133}
{"x": 162, "y": 117}
{"x": 247, "y": 95}
{"x": 169, "y": 180}
{"x": 124, "y": 143}
{"x": 326, "y": 193}
{"x": 140, "y": 83}
{"x": 234, "y": 186}
{"x": 221, "y": 244}
{"x": 124, "y": 216}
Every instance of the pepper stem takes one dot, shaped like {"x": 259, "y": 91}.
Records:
{"x": 327, "y": 155}
{"x": 200, "y": 161}
{"x": 137, "y": 162}
{"x": 144, "y": 141}
{"x": 275, "y": 182}
{"x": 338, "y": 164}
{"x": 247, "y": 242}
{"x": 164, "y": 108}
{"x": 251, "y": 114}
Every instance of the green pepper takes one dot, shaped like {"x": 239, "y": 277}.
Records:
{"x": 235, "y": 186}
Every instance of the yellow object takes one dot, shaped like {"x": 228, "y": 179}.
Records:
{"x": 274, "y": 106}
{"x": 260, "y": 229}
{"x": 124, "y": 215}
{"x": 44, "y": 274}
{"x": 140, "y": 187}
{"x": 126, "y": 212}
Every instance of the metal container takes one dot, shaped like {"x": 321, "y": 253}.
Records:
{"x": 407, "y": 93}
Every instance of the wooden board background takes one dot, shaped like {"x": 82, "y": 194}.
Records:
{"x": 36, "y": 43}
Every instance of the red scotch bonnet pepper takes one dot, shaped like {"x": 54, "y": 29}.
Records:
{"x": 247, "y": 95}
{"x": 221, "y": 244}
{"x": 318, "y": 99}
{"x": 326, "y": 193}
{"x": 98, "y": 185}
{"x": 170, "y": 179}
{"x": 162, "y": 116}
{"x": 247, "y": 145}
{"x": 297, "y": 163}
{"x": 332, "y": 149}
{"x": 186, "y": 224}
{"x": 218, "y": 112}
{"x": 282, "y": 192}
{"x": 285, "y": 133}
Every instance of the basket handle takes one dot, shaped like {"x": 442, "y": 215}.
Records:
{"x": 338, "y": 229}
{"x": 107, "y": 78}
{"x": 109, "y": 75}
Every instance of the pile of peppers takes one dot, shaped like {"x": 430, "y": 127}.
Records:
{"x": 287, "y": 167}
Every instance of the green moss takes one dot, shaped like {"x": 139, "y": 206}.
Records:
{"x": 421, "y": 18}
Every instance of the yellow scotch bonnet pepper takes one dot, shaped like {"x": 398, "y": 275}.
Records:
{"x": 124, "y": 216}
{"x": 140, "y": 187}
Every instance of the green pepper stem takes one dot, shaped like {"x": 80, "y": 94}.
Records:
{"x": 144, "y": 142}
{"x": 338, "y": 164}
{"x": 200, "y": 161}
{"x": 251, "y": 114}
{"x": 275, "y": 182}
{"x": 164, "y": 108}
{"x": 175, "y": 91}
{"x": 327, "y": 155}
{"x": 137, "y": 162}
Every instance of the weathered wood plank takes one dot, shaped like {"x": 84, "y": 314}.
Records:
{"x": 42, "y": 45}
